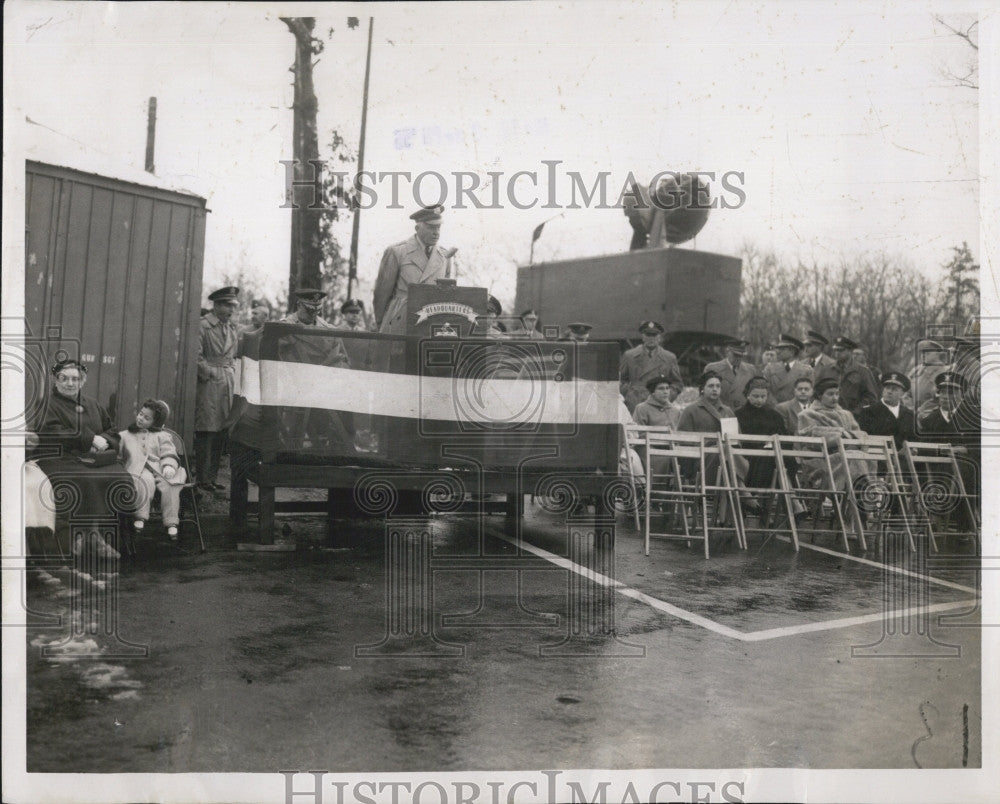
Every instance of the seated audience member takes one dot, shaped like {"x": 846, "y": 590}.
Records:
{"x": 150, "y": 456}
{"x": 791, "y": 409}
{"x": 889, "y": 416}
{"x": 705, "y": 415}
{"x": 825, "y": 418}
{"x": 658, "y": 409}
{"x": 74, "y": 444}
{"x": 756, "y": 417}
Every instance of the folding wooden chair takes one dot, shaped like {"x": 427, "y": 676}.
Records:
{"x": 776, "y": 492}
{"x": 938, "y": 486}
{"x": 823, "y": 486}
{"x": 690, "y": 493}
{"x": 636, "y": 438}
{"x": 883, "y": 490}
{"x": 189, "y": 500}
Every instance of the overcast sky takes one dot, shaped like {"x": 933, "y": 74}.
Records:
{"x": 849, "y": 138}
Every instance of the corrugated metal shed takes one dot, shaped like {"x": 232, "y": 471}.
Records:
{"x": 115, "y": 265}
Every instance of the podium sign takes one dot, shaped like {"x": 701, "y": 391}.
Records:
{"x": 443, "y": 310}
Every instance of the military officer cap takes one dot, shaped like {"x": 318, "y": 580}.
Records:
{"x": 737, "y": 346}
{"x": 658, "y": 380}
{"x": 428, "y": 214}
{"x": 812, "y": 336}
{"x": 845, "y": 343}
{"x": 260, "y": 304}
{"x": 493, "y": 305}
{"x": 579, "y": 328}
{"x": 310, "y": 295}
{"x": 789, "y": 341}
{"x": 229, "y": 294}
{"x": 949, "y": 379}
{"x": 896, "y": 378}
{"x": 351, "y": 305}
{"x": 651, "y": 328}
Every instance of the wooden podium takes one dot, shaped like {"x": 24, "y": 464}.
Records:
{"x": 446, "y": 310}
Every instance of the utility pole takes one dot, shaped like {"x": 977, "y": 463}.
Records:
{"x": 150, "y": 135}
{"x": 352, "y": 274}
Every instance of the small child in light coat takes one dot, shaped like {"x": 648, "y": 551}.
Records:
{"x": 149, "y": 455}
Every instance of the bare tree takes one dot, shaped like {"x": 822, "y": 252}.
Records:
{"x": 306, "y": 249}
{"x": 968, "y": 75}
{"x": 879, "y": 301}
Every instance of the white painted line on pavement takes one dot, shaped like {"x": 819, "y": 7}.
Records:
{"x": 604, "y": 580}
{"x": 753, "y": 636}
{"x": 889, "y": 567}
{"x": 847, "y": 622}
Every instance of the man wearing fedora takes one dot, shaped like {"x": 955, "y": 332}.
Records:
{"x": 645, "y": 362}
{"x": 857, "y": 385}
{"x": 734, "y": 373}
{"x": 889, "y": 416}
{"x": 417, "y": 260}
{"x": 812, "y": 349}
{"x": 785, "y": 371}
{"x": 218, "y": 338}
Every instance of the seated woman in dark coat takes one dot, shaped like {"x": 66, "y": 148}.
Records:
{"x": 74, "y": 443}
{"x": 758, "y": 418}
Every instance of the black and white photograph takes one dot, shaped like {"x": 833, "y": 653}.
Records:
{"x": 500, "y": 402}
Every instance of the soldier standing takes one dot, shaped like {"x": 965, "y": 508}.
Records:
{"x": 417, "y": 260}
{"x": 813, "y": 347}
{"x": 645, "y": 362}
{"x": 786, "y": 370}
{"x": 217, "y": 342}
{"x": 352, "y": 311}
{"x": 734, "y": 373}
{"x": 857, "y": 385}
{"x": 324, "y": 430}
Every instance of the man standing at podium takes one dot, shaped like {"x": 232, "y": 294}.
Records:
{"x": 417, "y": 260}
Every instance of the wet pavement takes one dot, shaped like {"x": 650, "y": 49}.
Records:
{"x": 505, "y": 657}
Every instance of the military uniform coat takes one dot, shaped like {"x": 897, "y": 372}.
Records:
{"x": 217, "y": 344}
{"x": 818, "y": 362}
{"x": 877, "y": 419}
{"x": 733, "y": 381}
{"x": 306, "y": 349}
{"x": 790, "y": 413}
{"x": 403, "y": 264}
{"x": 781, "y": 381}
{"x": 857, "y": 385}
{"x": 638, "y": 366}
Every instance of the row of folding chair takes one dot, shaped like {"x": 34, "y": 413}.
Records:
{"x": 693, "y": 485}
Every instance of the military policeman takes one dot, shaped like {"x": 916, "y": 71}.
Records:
{"x": 734, "y": 373}
{"x": 857, "y": 385}
{"x": 813, "y": 347}
{"x": 417, "y": 260}
{"x": 889, "y": 416}
{"x": 785, "y": 371}
{"x": 645, "y": 362}
{"x": 218, "y": 338}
